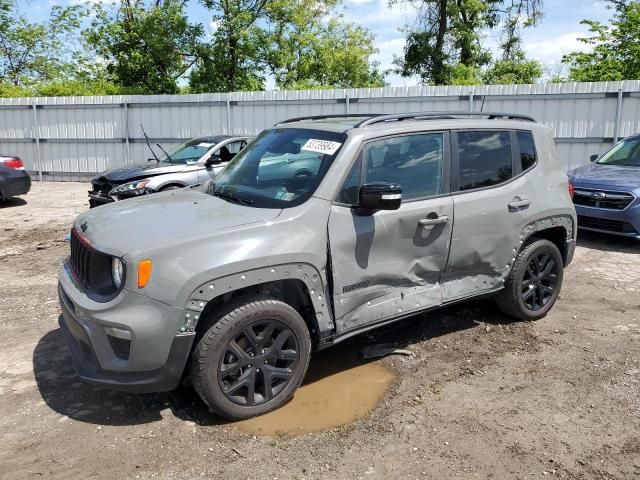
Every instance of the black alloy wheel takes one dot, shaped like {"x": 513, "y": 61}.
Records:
{"x": 534, "y": 282}
{"x": 540, "y": 281}
{"x": 252, "y": 357}
{"x": 258, "y": 363}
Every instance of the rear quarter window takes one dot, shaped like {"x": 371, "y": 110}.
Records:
{"x": 527, "y": 150}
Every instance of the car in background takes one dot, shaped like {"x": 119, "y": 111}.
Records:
{"x": 13, "y": 178}
{"x": 190, "y": 163}
{"x": 607, "y": 191}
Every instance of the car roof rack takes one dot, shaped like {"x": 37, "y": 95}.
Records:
{"x": 374, "y": 118}
{"x": 440, "y": 116}
{"x": 324, "y": 117}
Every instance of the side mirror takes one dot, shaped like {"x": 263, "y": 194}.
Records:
{"x": 212, "y": 160}
{"x": 380, "y": 196}
{"x": 593, "y": 158}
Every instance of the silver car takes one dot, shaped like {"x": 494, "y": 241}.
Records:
{"x": 234, "y": 284}
{"x": 192, "y": 162}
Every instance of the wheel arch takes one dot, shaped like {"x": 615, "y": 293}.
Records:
{"x": 172, "y": 183}
{"x": 559, "y": 230}
{"x": 298, "y": 285}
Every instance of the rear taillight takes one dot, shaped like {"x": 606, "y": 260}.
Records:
{"x": 571, "y": 190}
{"x": 12, "y": 162}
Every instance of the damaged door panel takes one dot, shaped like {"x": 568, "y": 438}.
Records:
{"x": 492, "y": 205}
{"x": 386, "y": 263}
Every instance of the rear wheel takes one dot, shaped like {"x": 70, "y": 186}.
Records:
{"x": 252, "y": 359}
{"x": 533, "y": 286}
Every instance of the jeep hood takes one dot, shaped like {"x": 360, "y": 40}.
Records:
{"x": 141, "y": 170}
{"x": 164, "y": 220}
{"x": 606, "y": 177}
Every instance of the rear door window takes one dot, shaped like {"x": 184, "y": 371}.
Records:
{"x": 484, "y": 158}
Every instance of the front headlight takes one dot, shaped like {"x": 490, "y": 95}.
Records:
{"x": 117, "y": 271}
{"x": 137, "y": 187}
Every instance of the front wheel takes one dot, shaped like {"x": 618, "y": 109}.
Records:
{"x": 252, "y": 359}
{"x": 533, "y": 285}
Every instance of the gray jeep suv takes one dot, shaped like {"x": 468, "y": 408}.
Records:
{"x": 235, "y": 282}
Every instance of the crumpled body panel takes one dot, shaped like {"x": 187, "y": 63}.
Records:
{"x": 387, "y": 263}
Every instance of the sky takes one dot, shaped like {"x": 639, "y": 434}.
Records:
{"x": 556, "y": 35}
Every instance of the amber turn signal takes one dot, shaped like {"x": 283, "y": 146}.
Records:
{"x": 144, "y": 272}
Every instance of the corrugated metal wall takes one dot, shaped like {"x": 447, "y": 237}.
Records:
{"x": 66, "y": 137}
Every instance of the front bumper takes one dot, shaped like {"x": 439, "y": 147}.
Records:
{"x": 624, "y": 223}
{"x": 154, "y": 358}
{"x": 95, "y": 200}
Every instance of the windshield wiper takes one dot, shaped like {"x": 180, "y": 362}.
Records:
{"x": 149, "y": 144}
{"x": 165, "y": 152}
{"x": 220, "y": 192}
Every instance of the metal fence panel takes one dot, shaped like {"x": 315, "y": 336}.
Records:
{"x": 67, "y": 137}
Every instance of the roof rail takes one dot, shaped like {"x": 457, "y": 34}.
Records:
{"x": 372, "y": 120}
{"x": 323, "y": 117}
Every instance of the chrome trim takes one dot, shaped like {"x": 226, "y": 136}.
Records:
{"x": 609, "y": 194}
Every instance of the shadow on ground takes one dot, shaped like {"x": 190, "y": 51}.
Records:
{"x": 13, "y": 202}
{"x": 607, "y": 243}
{"x": 66, "y": 394}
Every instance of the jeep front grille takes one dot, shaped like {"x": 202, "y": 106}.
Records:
{"x": 604, "y": 199}
{"x": 80, "y": 260}
{"x": 91, "y": 269}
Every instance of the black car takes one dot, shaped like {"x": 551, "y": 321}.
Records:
{"x": 13, "y": 179}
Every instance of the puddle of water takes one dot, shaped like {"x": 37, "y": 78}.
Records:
{"x": 338, "y": 389}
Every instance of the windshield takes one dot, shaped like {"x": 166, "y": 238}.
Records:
{"x": 281, "y": 168}
{"x": 190, "y": 151}
{"x": 626, "y": 153}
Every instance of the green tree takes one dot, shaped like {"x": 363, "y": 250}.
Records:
{"x": 444, "y": 47}
{"x": 513, "y": 71}
{"x": 146, "y": 48}
{"x": 616, "y": 47}
{"x": 299, "y": 43}
{"x": 515, "y": 16}
{"x": 36, "y": 52}
{"x": 232, "y": 60}
{"x": 310, "y": 47}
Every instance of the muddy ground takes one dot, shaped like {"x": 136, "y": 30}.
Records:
{"x": 482, "y": 396}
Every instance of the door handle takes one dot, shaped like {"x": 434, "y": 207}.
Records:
{"x": 518, "y": 204}
{"x": 427, "y": 222}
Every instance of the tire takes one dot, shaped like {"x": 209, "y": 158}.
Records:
{"x": 529, "y": 292}
{"x": 256, "y": 342}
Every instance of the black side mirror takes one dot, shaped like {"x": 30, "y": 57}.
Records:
{"x": 593, "y": 158}
{"x": 212, "y": 160}
{"x": 380, "y": 196}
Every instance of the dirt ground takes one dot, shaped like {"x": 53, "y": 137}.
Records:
{"x": 482, "y": 396}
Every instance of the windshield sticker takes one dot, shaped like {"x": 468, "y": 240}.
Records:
{"x": 326, "y": 147}
{"x": 205, "y": 145}
{"x": 284, "y": 195}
